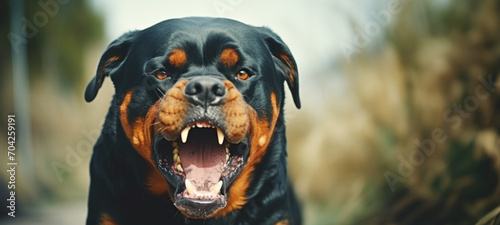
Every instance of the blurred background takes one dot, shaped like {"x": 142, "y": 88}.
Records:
{"x": 399, "y": 124}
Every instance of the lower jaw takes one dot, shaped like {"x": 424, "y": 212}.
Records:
{"x": 200, "y": 209}
{"x": 197, "y": 207}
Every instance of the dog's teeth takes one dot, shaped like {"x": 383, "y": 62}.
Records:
{"x": 199, "y": 125}
{"x": 220, "y": 136}
{"x": 179, "y": 168}
{"x": 215, "y": 189}
{"x": 176, "y": 151}
{"x": 227, "y": 157}
{"x": 184, "y": 134}
{"x": 177, "y": 159}
{"x": 175, "y": 145}
{"x": 190, "y": 188}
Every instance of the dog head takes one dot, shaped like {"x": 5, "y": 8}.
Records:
{"x": 199, "y": 99}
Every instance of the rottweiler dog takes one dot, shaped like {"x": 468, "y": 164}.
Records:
{"x": 195, "y": 133}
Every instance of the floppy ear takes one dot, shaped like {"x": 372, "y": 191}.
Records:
{"x": 284, "y": 60}
{"x": 111, "y": 61}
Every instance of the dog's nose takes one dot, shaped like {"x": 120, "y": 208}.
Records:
{"x": 205, "y": 91}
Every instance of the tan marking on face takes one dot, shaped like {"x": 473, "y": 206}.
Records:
{"x": 177, "y": 57}
{"x": 172, "y": 111}
{"x": 229, "y": 57}
{"x": 236, "y": 112}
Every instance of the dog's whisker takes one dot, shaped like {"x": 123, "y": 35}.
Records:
{"x": 160, "y": 93}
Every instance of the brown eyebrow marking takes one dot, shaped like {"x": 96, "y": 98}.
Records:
{"x": 177, "y": 57}
{"x": 229, "y": 57}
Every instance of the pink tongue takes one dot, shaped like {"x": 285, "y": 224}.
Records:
{"x": 202, "y": 159}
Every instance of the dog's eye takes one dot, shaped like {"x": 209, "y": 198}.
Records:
{"x": 161, "y": 74}
{"x": 243, "y": 74}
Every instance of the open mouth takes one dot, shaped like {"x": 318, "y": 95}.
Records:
{"x": 200, "y": 165}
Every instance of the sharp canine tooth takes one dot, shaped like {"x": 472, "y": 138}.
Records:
{"x": 216, "y": 187}
{"x": 190, "y": 188}
{"x": 179, "y": 168}
{"x": 220, "y": 136}
{"x": 184, "y": 134}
